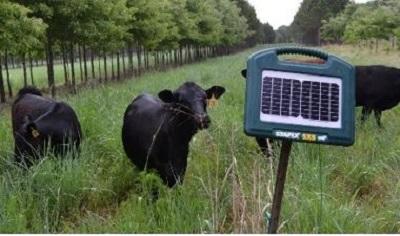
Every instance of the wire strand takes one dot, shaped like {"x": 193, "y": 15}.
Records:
{"x": 320, "y": 189}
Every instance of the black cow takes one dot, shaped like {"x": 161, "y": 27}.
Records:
{"x": 377, "y": 89}
{"x": 156, "y": 133}
{"x": 38, "y": 121}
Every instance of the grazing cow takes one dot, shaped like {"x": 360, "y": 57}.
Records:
{"x": 38, "y": 121}
{"x": 156, "y": 132}
{"x": 377, "y": 89}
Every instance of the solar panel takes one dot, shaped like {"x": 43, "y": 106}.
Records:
{"x": 301, "y": 99}
{"x": 302, "y": 102}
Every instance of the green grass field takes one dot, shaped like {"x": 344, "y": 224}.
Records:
{"x": 228, "y": 186}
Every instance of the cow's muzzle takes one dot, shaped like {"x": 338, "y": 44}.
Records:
{"x": 203, "y": 121}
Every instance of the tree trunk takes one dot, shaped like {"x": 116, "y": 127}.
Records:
{"x": 147, "y": 59}
{"x": 112, "y": 67}
{"x": 118, "y": 66}
{"x": 123, "y": 62}
{"x": 175, "y": 57}
{"x": 65, "y": 62}
{"x": 181, "y": 55}
{"x": 85, "y": 62}
{"x": 139, "y": 57}
{"x": 130, "y": 57}
{"x": 31, "y": 69}
{"x": 10, "y": 92}
{"x": 72, "y": 61}
{"x": 80, "y": 62}
{"x": 12, "y": 62}
{"x": 2, "y": 90}
{"x": 24, "y": 70}
{"x": 171, "y": 54}
{"x": 163, "y": 62}
{"x": 92, "y": 63}
{"x": 99, "y": 66}
{"x": 189, "y": 54}
{"x": 156, "y": 60}
{"x": 105, "y": 66}
{"x": 50, "y": 65}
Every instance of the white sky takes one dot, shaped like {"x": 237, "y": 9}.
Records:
{"x": 279, "y": 12}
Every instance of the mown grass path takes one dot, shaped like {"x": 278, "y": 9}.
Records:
{"x": 228, "y": 183}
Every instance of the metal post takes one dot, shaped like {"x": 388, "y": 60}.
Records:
{"x": 279, "y": 186}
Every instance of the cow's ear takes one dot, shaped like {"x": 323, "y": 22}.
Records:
{"x": 215, "y": 92}
{"x": 27, "y": 119}
{"x": 55, "y": 108}
{"x": 167, "y": 96}
{"x": 244, "y": 73}
{"x": 30, "y": 127}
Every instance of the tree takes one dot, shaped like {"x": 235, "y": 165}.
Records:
{"x": 269, "y": 33}
{"x": 208, "y": 22}
{"x": 308, "y": 20}
{"x": 372, "y": 22}
{"x": 255, "y": 26}
{"x": 101, "y": 25}
{"x": 48, "y": 11}
{"x": 283, "y": 34}
{"x": 150, "y": 27}
{"x": 235, "y": 28}
{"x": 333, "y": 30}
{"x": 19, "y": 33}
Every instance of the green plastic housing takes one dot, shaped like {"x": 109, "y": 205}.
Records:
{"x": 333, "y": 67}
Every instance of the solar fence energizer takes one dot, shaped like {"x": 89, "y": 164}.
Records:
{"x": 301, "y": 102}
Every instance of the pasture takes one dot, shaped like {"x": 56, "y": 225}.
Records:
{"x": 228, "y": 185}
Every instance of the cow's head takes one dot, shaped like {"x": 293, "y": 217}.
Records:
{"x": 34, "y": 134}
{"x": 192, "y": 100}
{"x": 244, "y": 73}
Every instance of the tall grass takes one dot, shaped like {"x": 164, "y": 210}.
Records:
{"x": 228, "y": 186}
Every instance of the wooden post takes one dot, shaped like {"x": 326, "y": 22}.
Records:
{"x": 279, "y": 186}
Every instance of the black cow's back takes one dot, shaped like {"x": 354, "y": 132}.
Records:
{"x": 377, "y": 87}
{"x": 143, "y": 130}
{"x": 29, "y": 104}
{"x": 51, "y": 120}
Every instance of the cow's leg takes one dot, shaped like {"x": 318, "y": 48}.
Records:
{"x": 21, "y": 159}
{"x": 270, "y": 143}
{"x": 177, "y": 165}
{"x": 365, "y": 113}
{"x": 378, "y": 115}
{"x": 265, "y": 145}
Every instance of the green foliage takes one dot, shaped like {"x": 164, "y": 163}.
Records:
{"x": 308, "y": 20}
{"x": 269, "y": 33}
{"x": 19, "y": 33}
{"x": 283, "y": 34}
{"x": 234, "y": 25}
{"x": 256, "y": 34}
{"x": 374, "y": 20}
{"x": 152, "y": 22}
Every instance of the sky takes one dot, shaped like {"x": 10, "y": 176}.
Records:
{"x": 278, "y": 12}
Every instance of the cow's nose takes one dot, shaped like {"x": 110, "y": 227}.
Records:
{"x": 204, "y": 121}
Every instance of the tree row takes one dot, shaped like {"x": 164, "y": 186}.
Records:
{"x": 136, "y": 35}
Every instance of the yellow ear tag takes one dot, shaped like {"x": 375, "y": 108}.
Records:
{"x": 35, "y": 133}
{"x": 212, "y": 102}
